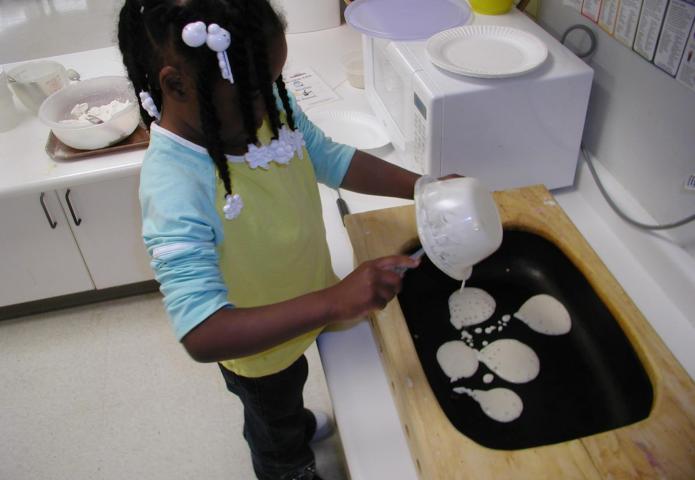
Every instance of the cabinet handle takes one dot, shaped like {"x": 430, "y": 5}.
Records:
{"x": 51, "y": 222}
{"x": 75, "y": 218}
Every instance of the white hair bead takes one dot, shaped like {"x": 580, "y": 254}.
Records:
{"x": 148, "y": 105}
{"x": 194, "y": 34}
{"x": 218, "y": 39}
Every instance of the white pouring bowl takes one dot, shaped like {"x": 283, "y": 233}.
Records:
{"x": 95, "y": 92}
{"x": 457, "y": 222}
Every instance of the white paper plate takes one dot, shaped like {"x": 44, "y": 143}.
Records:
{"x": 357, "y": 129}
{"x": 487, "y": 51}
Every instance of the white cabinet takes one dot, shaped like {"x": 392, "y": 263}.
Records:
{"x": 105, "y": 220}
{"x": 72, "y": 240}
{"x": 40, "y": 257}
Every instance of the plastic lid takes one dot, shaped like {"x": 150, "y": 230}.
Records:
{"x": 406, "y": 19}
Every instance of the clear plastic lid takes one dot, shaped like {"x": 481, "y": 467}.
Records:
{"x": 406, "y": 19}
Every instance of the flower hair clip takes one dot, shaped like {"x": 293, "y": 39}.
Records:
{"x": 196, "y": 34}
{"x": 148, "y": 105}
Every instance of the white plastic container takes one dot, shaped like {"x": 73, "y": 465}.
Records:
{"x": 95, "y": 92}
{"x": 457, "y": 222}
{"x": 309, "y": 15}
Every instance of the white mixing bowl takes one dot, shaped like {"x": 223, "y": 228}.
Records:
{"x": 95, "y": 92}
{"x": 457, "y": 222}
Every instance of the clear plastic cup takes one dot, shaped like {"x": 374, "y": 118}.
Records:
{"x": 33, "y": 82}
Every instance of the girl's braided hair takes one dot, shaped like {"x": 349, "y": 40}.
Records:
{"x": 147, "y": 29}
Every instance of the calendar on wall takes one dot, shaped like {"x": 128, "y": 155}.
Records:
{"x": 660, "y": 31}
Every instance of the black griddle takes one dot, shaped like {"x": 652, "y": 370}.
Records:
{"x": 590, "y": 379}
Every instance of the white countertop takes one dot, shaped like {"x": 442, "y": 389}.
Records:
{"x": 370, "y": 430}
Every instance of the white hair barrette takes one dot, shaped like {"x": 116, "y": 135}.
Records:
{"x": 196, "y": 34}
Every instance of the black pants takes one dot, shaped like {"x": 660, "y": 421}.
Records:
{"x": 277, "y": 427}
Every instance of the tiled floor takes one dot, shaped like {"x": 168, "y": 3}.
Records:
{"x": 104, "y": 391}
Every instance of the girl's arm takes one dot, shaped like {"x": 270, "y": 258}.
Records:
{"x": 372, "y": 175}
{"x": 234, "y": 332}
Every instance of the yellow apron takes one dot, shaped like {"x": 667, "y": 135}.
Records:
{"x": 275, "y": 249}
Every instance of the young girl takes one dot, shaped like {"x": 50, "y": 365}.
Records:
{"x": 232, "y": 214}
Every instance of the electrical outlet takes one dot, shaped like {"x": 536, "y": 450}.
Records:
{"x": 689, "y": 183}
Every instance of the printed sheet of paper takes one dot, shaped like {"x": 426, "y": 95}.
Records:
{"x": 649, "y": 26}
{"x": 609, "y": 12}
{"x": 674, "y": 34}
{"x": 591, "y": 9}
{"x": 308, "y": 88}
{"x": 626, "y": 24}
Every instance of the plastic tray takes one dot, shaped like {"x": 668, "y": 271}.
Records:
{"x": 57, "y": 150}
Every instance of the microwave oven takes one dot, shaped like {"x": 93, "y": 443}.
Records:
{"x": 507, "y": 132}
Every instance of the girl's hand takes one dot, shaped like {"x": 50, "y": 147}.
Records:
{"x": 369, "y": 287}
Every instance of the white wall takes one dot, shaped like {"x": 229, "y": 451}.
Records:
{"x": 640, "y": 125}
{"x": 38, "y": 28}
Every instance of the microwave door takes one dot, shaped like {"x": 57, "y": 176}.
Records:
{"x": 389, "y": 90}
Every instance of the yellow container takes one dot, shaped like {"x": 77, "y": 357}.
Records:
{"x": 491, "y": 7}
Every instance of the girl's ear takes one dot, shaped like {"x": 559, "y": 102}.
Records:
{"x": 174, "y": 85}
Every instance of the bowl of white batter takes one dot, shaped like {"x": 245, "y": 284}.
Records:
{"x": 457, "y": 222}
{"x": 93, "y": 113}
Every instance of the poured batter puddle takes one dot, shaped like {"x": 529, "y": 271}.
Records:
{"x": 545, "y": 314}
{"x": 500, "y": 404}
{"x": 470, "y": 306}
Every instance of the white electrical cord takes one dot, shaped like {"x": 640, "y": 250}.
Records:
{"x": 622, "y": 214}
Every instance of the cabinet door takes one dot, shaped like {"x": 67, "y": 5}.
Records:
{"x": 105, "y": 219}
{"x": 40, "y": 258}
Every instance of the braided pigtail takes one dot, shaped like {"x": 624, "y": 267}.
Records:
{"x": 211, "y": 127}
{"x": 282, "y": 91}
{"x": 240, "y": 59}
{"x": 258, "y": 32}
{"x": 134, "y": 44}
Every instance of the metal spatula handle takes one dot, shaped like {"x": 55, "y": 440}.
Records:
{"x": 414, "y": 256}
